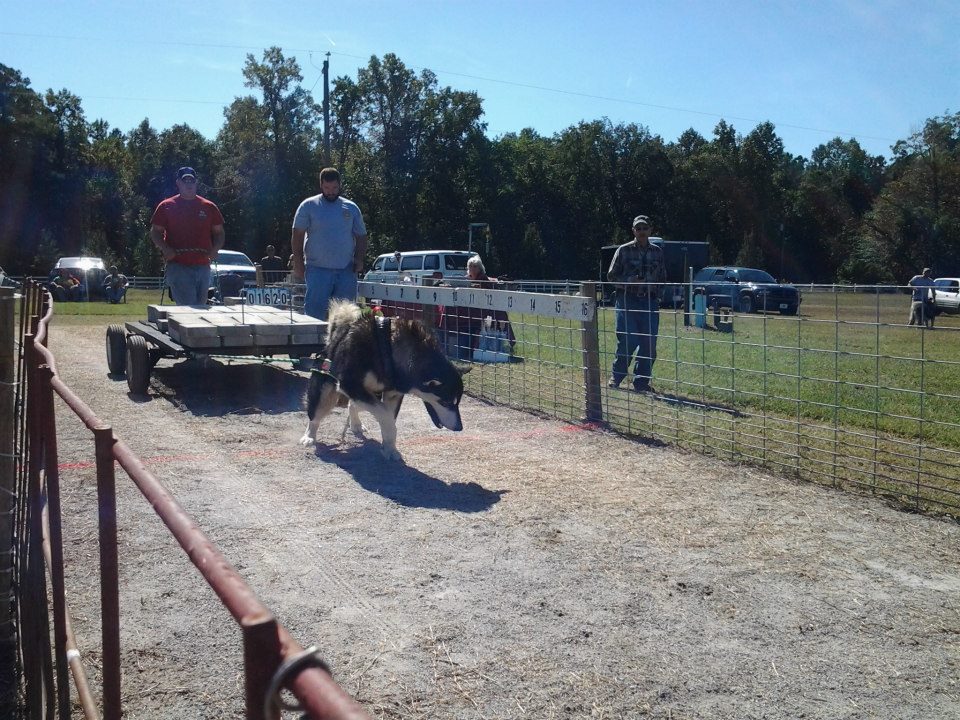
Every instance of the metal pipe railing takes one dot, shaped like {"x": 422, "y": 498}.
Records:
{"x": 72, "y": 652}
{"x": 267, "y": 644}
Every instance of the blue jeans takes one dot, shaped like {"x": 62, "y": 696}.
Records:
{"x": 324, "y": 284}
{"x": 638, "y": 322}
{"x": 114, "y": 295}
{"x": 189, "y": 284}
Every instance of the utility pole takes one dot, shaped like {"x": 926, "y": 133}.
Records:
{"x": 473, "y": 226}
{"x": 326, "y": 111}
{"x": 782, "y": 243}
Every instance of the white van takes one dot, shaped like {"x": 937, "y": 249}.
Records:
{"x": 415, "y": 265}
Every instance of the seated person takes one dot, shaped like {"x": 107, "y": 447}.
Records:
{"x": 466, "y": 323}
{"x": 115, "y": 285}
{"x": 272, "y": 266}
{"x": 64, "y": 286}
{"x": 229, "y": 285}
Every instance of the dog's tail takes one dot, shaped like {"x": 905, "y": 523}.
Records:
{"x": 342, "y": 311}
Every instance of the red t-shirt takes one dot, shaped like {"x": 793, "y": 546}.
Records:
{"x": 188, "y": 226}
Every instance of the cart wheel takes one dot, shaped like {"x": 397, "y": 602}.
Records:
{"x": 138, "y": 364}
{"x": 116, "y": 349}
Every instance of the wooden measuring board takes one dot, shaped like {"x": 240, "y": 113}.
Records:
{"x": 569, "y": 307}
{"x": 204, "y": 327}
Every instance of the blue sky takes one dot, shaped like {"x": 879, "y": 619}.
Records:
{"x": 873, "y": 70}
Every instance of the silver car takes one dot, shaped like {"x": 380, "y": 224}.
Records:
{"x": 232, "y": 262}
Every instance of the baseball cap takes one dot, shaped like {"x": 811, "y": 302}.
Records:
{"x": 184, "y": 171}
{"x": 641, "y": 220}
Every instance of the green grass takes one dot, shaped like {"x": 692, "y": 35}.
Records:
{"x": 830, "y": 360}
{"x": 99, "y": 312}
{"x": 843, "y": 394}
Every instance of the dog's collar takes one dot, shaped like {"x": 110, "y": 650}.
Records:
{"x": 324, "y": 370}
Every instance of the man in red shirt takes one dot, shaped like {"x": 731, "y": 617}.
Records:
{"x": 188, "y": 230}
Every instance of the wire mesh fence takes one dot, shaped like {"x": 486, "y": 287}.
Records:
{"x": 842, "y": 392}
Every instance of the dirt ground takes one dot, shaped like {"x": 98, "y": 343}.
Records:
{"x": 522, "y": 568}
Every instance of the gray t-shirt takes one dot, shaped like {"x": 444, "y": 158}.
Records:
{"x": 921, "y": 287}
{"x": 330, "y": 228}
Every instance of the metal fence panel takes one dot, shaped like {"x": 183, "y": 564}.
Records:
{"x": 844, "y": 392}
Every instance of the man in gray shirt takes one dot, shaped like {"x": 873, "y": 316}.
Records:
{"x": 922, "y": 310}
{"x": 329, "y": 242}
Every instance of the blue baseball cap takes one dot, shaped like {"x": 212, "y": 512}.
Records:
{"x": 184, "y": 171}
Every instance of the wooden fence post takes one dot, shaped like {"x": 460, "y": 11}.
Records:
{"x": 590, "y": 343}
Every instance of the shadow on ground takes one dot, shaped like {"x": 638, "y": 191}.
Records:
{"x": 405, "y": 485}
{"x": 213, "y": 388}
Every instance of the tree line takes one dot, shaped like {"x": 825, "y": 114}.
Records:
{"x": 415, "y": 157}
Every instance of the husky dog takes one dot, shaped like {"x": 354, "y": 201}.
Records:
{"x": 374, "y": 363}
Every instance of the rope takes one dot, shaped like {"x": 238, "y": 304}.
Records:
{"x": 308, "y": 658}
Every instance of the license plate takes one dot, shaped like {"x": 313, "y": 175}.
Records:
{"x": 783, "y": 306}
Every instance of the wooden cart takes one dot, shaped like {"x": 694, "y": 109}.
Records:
{"x": 187, "y": 331}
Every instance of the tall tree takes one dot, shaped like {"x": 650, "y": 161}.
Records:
{"x": 26, "y": 135}
{"x": 64, "y": 193}
{"x": 410, "y": 150}
{"x": 917, "y": 214}
{"x": 268, "y": 147}
{"x": 837, "y": 187}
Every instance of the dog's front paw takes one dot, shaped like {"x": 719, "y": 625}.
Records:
{"x": 360, "y": 430}
{"x": 390, "y": 453}
{"x": 307, "y": 440}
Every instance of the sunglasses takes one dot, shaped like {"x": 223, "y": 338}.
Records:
{"x": 641, "y": 226}
{"x": 188, "y": 180}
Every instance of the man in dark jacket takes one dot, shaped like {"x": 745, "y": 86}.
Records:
{"x": 639, "y": 265}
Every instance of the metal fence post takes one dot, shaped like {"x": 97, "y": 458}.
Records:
{"x": 590, "y": 344}
{"x": 8, "y": 491}
{"x": 261, "y": 658}
{"x": 58, "y": 587}
{"x": 109, "y": 572}
{"x": 38, "y": 670}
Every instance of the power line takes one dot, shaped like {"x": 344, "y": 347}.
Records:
{"x": 510, "y": 83}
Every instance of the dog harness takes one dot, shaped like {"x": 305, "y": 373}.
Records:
{"x": 382, "y": 331}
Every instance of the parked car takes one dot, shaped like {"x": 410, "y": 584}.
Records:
{"x": 418, "y": 264}
{"x": 746, "y": 290}
{"x": 233, "y": 262}
{"x": 946, "y": 295}
{"x": 90, "y": 271}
